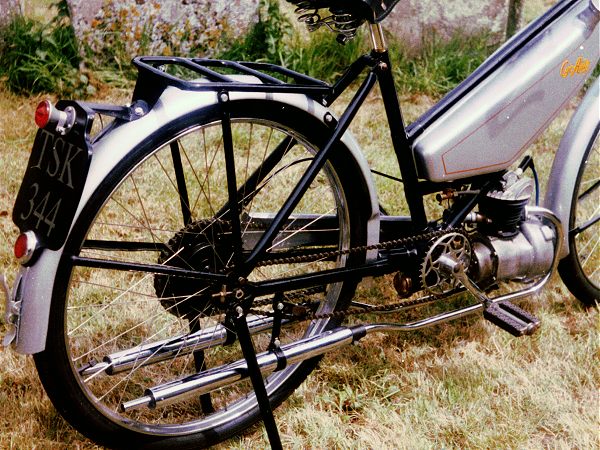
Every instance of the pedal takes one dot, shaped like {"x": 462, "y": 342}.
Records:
{"x": 507, "y": 316}
{"x": 511, "y": 318}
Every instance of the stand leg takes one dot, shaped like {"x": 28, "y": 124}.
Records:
{"x": 200, "y": 365}
{"x": 243, "y": 333}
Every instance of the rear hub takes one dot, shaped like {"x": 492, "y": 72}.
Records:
{"x": 203, "y": 246}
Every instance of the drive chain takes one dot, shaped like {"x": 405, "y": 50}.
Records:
{"x": 301, "y": 313}
{"x": 379, "y": 246}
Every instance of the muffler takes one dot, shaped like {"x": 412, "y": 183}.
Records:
{"x": 175, "y": 347}
{"x": 268, "y": 362}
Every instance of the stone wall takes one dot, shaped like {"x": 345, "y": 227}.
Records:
{"x": 9, "y": 8}
{"x": 133, "y": 27}
{"x": 413, "y": 20}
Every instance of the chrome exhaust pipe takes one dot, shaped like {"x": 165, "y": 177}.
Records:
{"x": 155, "y": 352}
{"x": 295, "y": 352}
{"x": 268, "y": 362}
{"x": 307, "y": 348}
{"x": 159, "y": 351}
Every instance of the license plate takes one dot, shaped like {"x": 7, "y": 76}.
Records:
{"x": 54, "y": 180}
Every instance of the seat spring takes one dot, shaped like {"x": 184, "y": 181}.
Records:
{"x": 340, "y": 21}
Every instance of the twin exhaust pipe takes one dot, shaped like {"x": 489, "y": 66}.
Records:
{"x": 310, "y": 347}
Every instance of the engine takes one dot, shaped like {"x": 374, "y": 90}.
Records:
{"x": 507, "y": 244}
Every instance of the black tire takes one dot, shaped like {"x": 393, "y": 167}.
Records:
{"x": 97, "y": 312}
{"x": 580, "y": 270}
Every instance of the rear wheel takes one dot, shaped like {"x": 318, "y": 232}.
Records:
{"x": 580, "y": 270}
{"x": 118, "y": 327}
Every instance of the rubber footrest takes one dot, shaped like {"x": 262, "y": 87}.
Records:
{"x": 511, "y": 318}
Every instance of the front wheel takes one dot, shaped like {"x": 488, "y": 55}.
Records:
{"x": 119, "y": 325}
{"x": 580, "y": 270}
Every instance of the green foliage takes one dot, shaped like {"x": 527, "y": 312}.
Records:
{"x": 272, "y": 40}
{"x": 440, "y": 65}
{"x": 434, "y": 70}
{"x": 321, "y": 56}
{"x": 36, "y": 57}
{"x": 264, "y": 42}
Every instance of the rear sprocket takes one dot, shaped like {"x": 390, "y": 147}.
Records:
{"x": 203, "y": 246}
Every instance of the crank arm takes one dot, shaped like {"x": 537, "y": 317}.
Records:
{"x": 453, "y": 267}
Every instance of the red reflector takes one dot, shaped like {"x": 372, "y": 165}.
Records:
{"x": 42, "y": 113}
{"x": 21, "y": 246}
{"x": 24, "y": 247}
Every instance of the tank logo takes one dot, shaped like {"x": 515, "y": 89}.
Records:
{"x": 567, "y": 69}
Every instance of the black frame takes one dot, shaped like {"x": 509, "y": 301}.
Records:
{"x": 154, "y": 78}
{"x": 152, "y": 81}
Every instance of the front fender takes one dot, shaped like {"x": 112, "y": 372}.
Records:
{"x": 34, "y": 284}
{"x": 579, "y": 136}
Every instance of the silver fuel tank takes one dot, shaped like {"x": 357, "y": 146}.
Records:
{"x": 491, "y": 125}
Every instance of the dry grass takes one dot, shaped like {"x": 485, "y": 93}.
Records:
{"x": 465, "y": 384}
{"x": 461, "y": 385}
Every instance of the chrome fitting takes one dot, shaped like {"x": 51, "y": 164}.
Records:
{"x": 377, "y": 38}
{"x": 12, "y": 311}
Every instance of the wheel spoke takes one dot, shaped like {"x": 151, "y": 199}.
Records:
{"x": 581, "y": 228}
{"x": 589, "y": 190}
{"x": 147, "y": 294}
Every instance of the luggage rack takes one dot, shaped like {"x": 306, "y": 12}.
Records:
{"x": 156, "y": 73}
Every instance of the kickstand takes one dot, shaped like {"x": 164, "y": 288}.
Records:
{"x": 241, "y": 326}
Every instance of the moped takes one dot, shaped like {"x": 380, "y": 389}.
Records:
{"x": 187, "y": 259}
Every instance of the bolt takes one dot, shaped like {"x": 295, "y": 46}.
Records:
{"x": 383, "y": 66}
{"x": 138, "y": 111}
{"x": 328, "y": 118}
{"x": 240, "y": 311}
{"x": 280, "y": 306}
{"x": 403, "y": 285}
{"x": 224, "y": 97}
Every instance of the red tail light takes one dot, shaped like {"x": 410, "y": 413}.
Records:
{"x": 25, "y": 246}
{"x": 43, "y": 112}
{"x": 47, "y": 114}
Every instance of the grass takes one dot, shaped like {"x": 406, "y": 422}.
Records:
{"x": 39, "y": 57}
{"x": 464, "y": 384}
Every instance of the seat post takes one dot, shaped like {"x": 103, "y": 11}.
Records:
{"x": 377, "y": 38}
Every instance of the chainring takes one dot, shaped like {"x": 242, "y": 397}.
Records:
{"x": 203, "y": 246}
{"x": 454, "y": 244}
